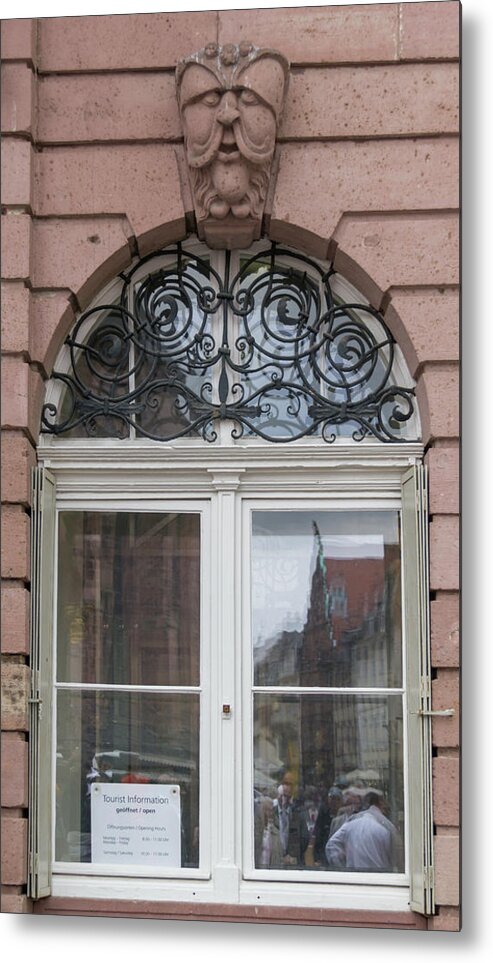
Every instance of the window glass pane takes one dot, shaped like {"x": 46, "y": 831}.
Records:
{"x": 129, "y": 598}
{"x": 326, "y": 598}
{"x": 127, "y": 740}
{"x": 318, "y": 760}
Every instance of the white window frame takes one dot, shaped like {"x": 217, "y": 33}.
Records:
{"x": 134, "y": 473}
{"x": 182, "y": 506}
{"x": 343, "y": 502}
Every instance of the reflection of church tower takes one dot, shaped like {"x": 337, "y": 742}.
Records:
{"x": 316, "y": 649}
{"x": 315, "y": 669}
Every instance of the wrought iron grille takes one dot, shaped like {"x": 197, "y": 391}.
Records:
{"x": 271, "y": 349}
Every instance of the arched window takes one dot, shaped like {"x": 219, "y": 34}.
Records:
{"x": 232, "y": 661}
{"x": 271, "y": 340}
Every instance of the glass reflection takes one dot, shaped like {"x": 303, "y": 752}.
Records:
{"x": 122, "y": 738}
{"x": 326, "y": 598}
{"x": 129, "y": 598}
{"x": 328, "y": 783}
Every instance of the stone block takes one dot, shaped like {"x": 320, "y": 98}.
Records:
{"x": 446, "y": 791}
{"x": 15, "y": 618}
{"x": 22, "y": 389}
{"x": 445, "y": 631}
{"x": 14, "y": 851}
{"x": 15, "y": 317}
{"x": 83, "y": 253}
{"x": 403, "y": 249}
{"x": 445, "y": 695}
{"x": 437, "y": 391}
{"x": 447, "y": 919}
{"x": 18, "y": 39}
{"x": 431, "y": 321}
{"x": 15, "y": 392}
{"x": 444, "y": 553}
{"x": 380, "y": 101}
{"x": 443, "y": 466}
{"x": 447, "y": 870}
{"x": 18, "y": 457}
{"x": 52, "y": 316}
{"x": 15, "y": 903}
{"x": 15, "y": 694}
{"x": 17, "y": 96}
{"x": 140, "y": 182}
{"x": 318, "y": 35}
{"x": 102, "y": 107}
{"x": 429, "y": 31}
{"x": 16, "y": 245}
{"x": 17, "y": 158}
{"x": 14, "y": 771}
{"x": 318, "y": 183}
{"x": 15, "y": 543}
{"x": 124, "y": 42}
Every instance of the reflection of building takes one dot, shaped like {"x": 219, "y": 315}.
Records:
{"x": 351, "y": 639}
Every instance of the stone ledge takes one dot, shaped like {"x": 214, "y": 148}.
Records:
{"x": 221, "y": 912}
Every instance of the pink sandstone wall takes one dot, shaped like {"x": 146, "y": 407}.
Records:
{"x": 368, "y": 176}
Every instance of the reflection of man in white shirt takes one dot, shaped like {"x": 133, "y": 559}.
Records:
{"x": 367, "y": 841}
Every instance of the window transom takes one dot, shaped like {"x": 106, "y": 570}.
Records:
{"x": 263, "y": 340}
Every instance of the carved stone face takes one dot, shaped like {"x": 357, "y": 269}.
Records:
{"x": 230, "y": 100}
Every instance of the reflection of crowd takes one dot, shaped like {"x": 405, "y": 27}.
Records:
{"x": 342, "y": 828}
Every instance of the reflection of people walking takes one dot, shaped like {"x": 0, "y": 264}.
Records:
{"x": 289, "y": 818}
{"x": 366, "y": 841}
{"x": 267, "y": 842}
{"x": 325, "y": 818}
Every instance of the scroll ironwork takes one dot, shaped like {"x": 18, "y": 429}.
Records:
{"x": 271, "y": 349}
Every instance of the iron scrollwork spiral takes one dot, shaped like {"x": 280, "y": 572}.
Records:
{"x": 271, "y": 349}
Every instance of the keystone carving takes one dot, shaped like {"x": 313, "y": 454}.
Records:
{"x": 230, "y": 100}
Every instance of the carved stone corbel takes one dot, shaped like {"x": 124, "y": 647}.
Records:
{"x": 230, "y": 100}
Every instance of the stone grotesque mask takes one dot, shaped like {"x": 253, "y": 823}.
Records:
{"x": 230, "y": 101}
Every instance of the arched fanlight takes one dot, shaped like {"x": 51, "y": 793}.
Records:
{"x": 264, "y": 341}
